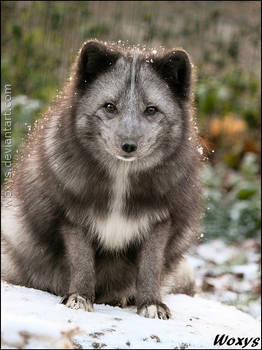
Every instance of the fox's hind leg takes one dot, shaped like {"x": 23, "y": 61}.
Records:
{"x": 179, "y": 280}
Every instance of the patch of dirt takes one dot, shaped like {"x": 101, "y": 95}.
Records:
{"x": 98, "y": 345}
{"x": 155, "y": 337}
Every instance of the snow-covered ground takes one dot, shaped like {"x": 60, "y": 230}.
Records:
{"x": 225, "y": 273}
{"x": 34, "y": 319}
{"x": 229, "y": 273}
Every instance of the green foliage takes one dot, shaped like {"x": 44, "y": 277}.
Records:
{"x": 94, "y": 31}
{"x": 30, "y": 53}
{"x": 232, "y": 201}
{"x": 24, "y": 112}
{"x": 235, "y": 92}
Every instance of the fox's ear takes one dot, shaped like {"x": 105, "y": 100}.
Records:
{"x": 94, "y": 58}
{"x": 175, "y": 68}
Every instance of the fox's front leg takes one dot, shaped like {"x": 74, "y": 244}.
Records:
{"x": 80, "y": 255}
{"x": 148, "y": 298}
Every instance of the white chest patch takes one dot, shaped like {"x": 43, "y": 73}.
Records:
{"x": 116, "y": 230}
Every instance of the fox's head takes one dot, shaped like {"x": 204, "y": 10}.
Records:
{"x": 131, "y": 105}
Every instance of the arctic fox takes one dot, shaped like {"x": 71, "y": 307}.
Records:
{"x": 105, "y": 196}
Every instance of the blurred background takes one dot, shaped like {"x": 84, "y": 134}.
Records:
{"x": 40, "y": 40}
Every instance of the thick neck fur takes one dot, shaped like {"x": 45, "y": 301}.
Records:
{"x": 97, "y": 191}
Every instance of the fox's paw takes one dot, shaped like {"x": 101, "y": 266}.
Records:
{"x": 76, "y": 301}
{"x": 159, "y": 310}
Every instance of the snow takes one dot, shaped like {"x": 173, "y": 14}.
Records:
{"x": 217, "y": 251}
{"x": 35, "y": 319}
{"x": 249, "y": 270}
{"x": 229, "y": 273}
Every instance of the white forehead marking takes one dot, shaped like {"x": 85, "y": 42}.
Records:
{"x": 131, "y": 94}
{"x": 133, "y": 75}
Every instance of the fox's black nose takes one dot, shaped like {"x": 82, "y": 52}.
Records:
{"x": 129, "y": 146}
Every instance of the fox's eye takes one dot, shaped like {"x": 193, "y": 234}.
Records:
{"x": 151, "y": 110}
{"x": 110, "y": 107}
